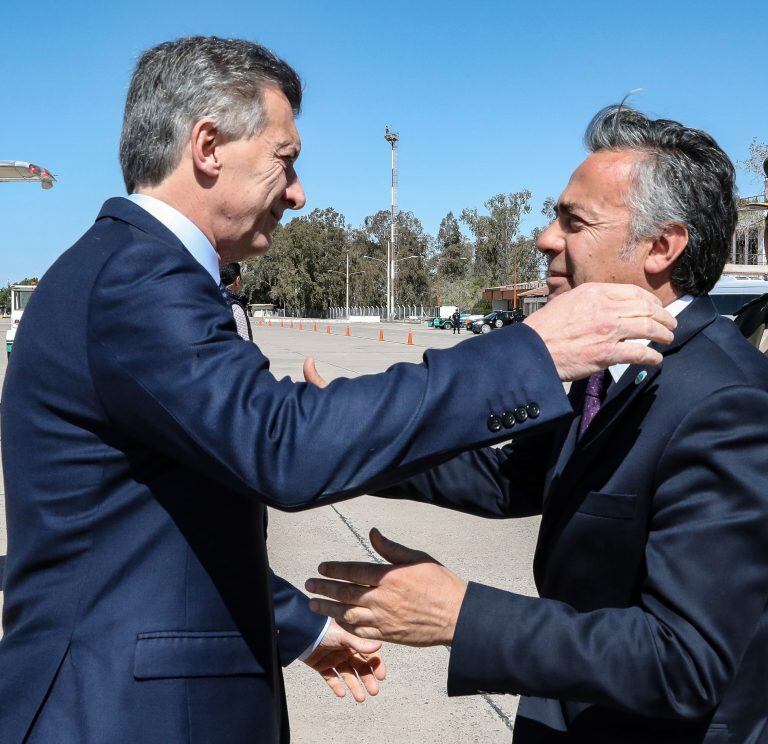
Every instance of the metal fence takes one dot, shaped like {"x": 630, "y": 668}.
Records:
{"x": 401, "y": 312}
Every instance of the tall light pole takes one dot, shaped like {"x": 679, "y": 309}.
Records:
{"x": 394, "y": 264}
{"x": 393, "y": 138}
{"x": 347, "y": 275}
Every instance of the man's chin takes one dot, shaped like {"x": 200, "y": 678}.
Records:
{"x": 558, "y": 284}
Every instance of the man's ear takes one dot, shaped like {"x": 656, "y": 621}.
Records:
{"x": 204, "y": 140}
{"x": 666, "y": 249}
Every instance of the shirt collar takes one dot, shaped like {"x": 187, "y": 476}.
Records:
{"x": 674, "y": 309}
{"x": 190, "y": 235}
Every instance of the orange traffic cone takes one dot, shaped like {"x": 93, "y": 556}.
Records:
{"x": 282, "y": 324}
{"x": 315, "y": 328}
{"x": 410, "y": 338}
{"x": 381, "y": 334}
{"x": 347, "y": 332}
{"x": 291, "y": 326}
{"x": 261, "y": 322}
{"x": 300, "y": 328}
{"x": 269, "y": 324}
{"x": 328, "y": 328}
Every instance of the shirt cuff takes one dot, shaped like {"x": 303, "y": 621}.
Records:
{"x": 312, "y": 646}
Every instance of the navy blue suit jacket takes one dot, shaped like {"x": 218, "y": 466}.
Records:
{"x": 652, "y": 558}
{"x": 142, "y": 439}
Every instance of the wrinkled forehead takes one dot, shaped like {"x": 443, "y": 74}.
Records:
{"x": 603, "y": 180}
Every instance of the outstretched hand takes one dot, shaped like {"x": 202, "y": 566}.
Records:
{"x": 591, "y": 327}
{"x": 345, "y": 661}
{"x": 414, "y": 601}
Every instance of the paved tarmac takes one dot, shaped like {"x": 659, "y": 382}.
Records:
{"x": 413, "y": 706}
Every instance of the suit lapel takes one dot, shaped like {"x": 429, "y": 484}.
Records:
{"x": 577, "y": 456}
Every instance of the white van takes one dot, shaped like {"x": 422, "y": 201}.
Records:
{"x": 20, "y": 294}
{"x": 731, "y": 293}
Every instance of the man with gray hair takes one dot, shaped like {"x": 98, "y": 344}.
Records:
{"x": 142, "y": 439}
{"x": 652, "y": 558}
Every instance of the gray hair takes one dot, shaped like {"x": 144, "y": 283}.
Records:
{"x": 179, "y": 82}
{"x": 685, "y": 179}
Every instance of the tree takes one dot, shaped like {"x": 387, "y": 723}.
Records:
{"x": 304, "y": 269}
{"x": 757, "y": 156}
{"x": 5, "y": 299}
{"x": 412, "y": 278}
{"x": 498, "y": 242}
{"x": 452, "y": 252}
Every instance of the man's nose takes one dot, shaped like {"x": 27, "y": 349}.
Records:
{"x": 294, "y": 194}
{"x": 551, "y": 240}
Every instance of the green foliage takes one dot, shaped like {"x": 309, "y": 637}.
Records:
{"x": 5, "y": 299}
{"x": 453, "y": 251}
{"x": 305, "y": 269}
{"x": 498, "y": 241}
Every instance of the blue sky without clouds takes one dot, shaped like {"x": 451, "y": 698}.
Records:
{"x": 488, "y": 97}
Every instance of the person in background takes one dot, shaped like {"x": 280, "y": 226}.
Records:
{"x": 456, "y": 320}
{"x": 232, "y": 282}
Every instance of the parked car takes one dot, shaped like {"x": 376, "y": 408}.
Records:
{"x": 470, "y": 319}
{"x": 497, "y": 319}
{"x": 447, "y": 323}
{"x": 731, "y": 293}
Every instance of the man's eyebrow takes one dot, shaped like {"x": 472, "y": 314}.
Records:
{"x": 290, "y": 149}
{"x": 574, "y": 208}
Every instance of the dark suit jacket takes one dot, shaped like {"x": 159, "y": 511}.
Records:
{"x": 141, "y": 440}
{"x": 652, "y": 558}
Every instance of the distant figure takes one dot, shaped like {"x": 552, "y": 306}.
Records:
{"x": 456, "y": 318}
{"x": 232, "y": 282}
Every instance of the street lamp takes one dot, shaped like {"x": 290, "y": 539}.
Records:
{"x": 19, "y": 170}
{"x": 386, "y": 269}
{"x": 334, "y": 271}
{"x": 390, "y": 279}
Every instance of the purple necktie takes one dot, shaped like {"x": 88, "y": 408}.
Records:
{"x": 597, "y": 386}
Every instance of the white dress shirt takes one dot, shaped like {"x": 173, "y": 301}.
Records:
{"x": 674, "y": 309}
{"x": 194, "y": 240}
{"x": 190, "y": 235}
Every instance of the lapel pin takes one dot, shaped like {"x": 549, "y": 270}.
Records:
{"x": 640, "y": 377}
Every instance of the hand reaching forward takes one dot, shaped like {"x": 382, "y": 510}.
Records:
{"x": 587, "y": 328}
{"x": 414, "y": 601}
{"x": 344, "y": 660}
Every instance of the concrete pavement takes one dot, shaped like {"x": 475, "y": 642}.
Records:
{"x": 412, "y": 706}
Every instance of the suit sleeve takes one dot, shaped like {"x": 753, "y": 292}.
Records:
{"x": 171, "y": 372}
{"x": 297, "y": 626}
{"x": 490, "y": 482}
{"x": 674, "y": 653}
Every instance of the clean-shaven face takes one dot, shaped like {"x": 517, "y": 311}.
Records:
{"x": 585, "y": 242}
{"x": 258, "y": 182}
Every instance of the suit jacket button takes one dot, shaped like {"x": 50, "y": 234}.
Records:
{"x": 533, "y": 410}
{"x": 508, "y": 419}
{"x": 521, "y": 414}
{"x": 494, "y": 423}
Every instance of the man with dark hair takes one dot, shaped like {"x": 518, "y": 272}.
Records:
{"x": 139, "y": 456}
{"x": 456, "y": 321}
{"x": 231, "y": 281}
{"x": 652, "y": 558}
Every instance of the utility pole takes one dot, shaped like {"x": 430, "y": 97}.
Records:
{"x": 347, "y": 307}
{"x": 393, "y": 138}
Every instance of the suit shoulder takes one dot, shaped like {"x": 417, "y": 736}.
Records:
{"x": 729, "y": 358}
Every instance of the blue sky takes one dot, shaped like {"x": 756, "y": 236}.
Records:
{"x": 488, "y": 97}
